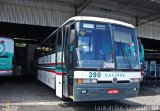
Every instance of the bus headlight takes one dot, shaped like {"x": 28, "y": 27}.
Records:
{"x": 134, "y": 79}
{"x": 93, "y": 80}
{"x": 86, "y": 81}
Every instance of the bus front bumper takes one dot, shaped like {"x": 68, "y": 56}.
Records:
{"x": 97, "y": 92}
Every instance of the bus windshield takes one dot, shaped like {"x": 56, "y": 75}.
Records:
{"x": 105, "y": 46}
{"x": 126, "y": 48}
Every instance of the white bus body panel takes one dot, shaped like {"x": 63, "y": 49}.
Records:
{"x": 51, "y": 76}
{"x": 59, "y": 77}
{"x": 107, "y": 76}
{"x": 47, "y": 59}
{"x": 47, "y": 77}
{"x": 59, "y": 85}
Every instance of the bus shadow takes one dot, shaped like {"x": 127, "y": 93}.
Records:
{"x": 109, "y": 105}
{"x": 149, "y": 91}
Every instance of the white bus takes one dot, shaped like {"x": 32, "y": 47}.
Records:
{"x": 91, "y": 59}
{"x": 6, "y": 56}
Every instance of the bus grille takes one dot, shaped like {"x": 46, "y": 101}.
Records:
{"x": 112, "y": 82}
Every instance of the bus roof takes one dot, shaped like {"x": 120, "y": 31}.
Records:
{"x": 99, "y": 19}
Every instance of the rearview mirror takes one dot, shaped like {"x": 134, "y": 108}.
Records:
{"x": 71, "y": 48}
{"x": 72, "y": 37}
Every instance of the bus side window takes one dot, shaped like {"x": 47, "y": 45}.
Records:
{"x": 65, "y": 41}
{"x": 72, "y": 45}
{"x": 53, "y": 43}
{"x": 43, "y": 49}
{"x": 59, "y": 40}
{"x": 68, "y": 43}
{"x": 46, "y": 46}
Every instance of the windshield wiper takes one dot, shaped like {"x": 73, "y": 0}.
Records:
{"x": 124, "y": 58}
{"x": 107, "y": 58}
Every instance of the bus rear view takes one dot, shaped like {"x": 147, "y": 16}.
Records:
{"x": 6, "y": 56}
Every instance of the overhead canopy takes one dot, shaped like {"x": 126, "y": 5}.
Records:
{"x": 55, "y": 12}
{"x": 52, "y": 13}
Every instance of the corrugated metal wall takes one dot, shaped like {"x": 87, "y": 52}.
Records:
{"x": 32, "y": 13}
{"x": 52, "y": 13}
{"x": 91, "y": 12}
{"x": 149, "y": 30}
{"x": 20, "y": 11}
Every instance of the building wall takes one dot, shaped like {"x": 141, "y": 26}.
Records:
{"x": 30, "y": 57}
{"x": 150, "y": 30}
{"x": 46, "y": 14}
{"x": 52, "y": 13}
{"x": 32, "y": 13}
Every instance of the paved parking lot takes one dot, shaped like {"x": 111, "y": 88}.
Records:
{"x": 31, "y": 95}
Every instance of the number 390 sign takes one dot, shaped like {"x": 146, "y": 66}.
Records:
{"x": 94, "y": 74}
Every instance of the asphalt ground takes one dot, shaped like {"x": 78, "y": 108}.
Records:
{"x": 26, "y": 94}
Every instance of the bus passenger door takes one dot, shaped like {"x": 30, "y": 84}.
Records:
{"x": 70, "y": 45}
{"x": 58, "y": 70}
{"x": 68, "y": 56}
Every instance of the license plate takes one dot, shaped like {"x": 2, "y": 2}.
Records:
{"x": 113, "y": 91}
